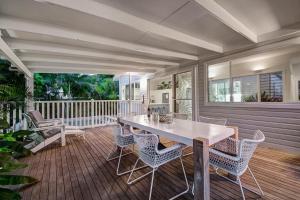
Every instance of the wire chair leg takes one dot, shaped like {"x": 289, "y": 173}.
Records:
{"x": 193, "y": 188}
{"x": 151, "y": 186}
{"x": 241, "y": 187}
{"x": 261, "y": 192}
{"x": 186, "y": 182}
{"x": 119, "y": 161}
{"x": 129, "y": 181}
{"x": 111, "y": 153}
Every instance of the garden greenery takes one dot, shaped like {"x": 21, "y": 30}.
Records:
{"x": 75, "y": 86}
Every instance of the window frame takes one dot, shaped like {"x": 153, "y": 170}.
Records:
{"x": 258, "y": 104}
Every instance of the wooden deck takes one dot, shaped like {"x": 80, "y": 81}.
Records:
{"x": 79, "y": 171}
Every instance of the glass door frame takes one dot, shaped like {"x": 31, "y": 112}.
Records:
{"x": 193, "y": 72}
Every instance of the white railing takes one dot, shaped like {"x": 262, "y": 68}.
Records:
{"x": 88, "y": 113}
{"x": 14, "y": 115}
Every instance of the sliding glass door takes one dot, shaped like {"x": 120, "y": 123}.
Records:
{"x": 183, "y": 94}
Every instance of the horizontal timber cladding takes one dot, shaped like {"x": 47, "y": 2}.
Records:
{"x": 281, "y": 126}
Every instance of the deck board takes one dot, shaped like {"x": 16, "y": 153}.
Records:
{"x": 80, "y": 171}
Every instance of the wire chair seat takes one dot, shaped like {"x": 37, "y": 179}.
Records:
{"x": 124, "y": 140}
{"x": 160, "y": 157}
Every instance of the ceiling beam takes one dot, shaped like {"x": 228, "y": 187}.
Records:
{"x": 80, "y": 51}
{"x": 228, "y": 19}
{"x": 62, "y": 32}
{"x": 71, "y": 68}
{"x": 103, "y": 11}
{"x": 13, "y": 58}
{"x": 70, "y": 60}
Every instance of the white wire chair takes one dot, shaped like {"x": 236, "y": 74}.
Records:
{"x": 236, "y": 164}
{"x": 209, "y": 120}
{"x": 123, "y": 138}
{"x": 150, "y": 155}
{"x": 222, "y": 145}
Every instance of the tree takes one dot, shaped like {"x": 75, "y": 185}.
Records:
{"x": 75, "y": 86}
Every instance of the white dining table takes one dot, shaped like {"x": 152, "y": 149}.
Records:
{"x": 197, "y": 134}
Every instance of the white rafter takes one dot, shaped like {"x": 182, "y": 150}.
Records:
{"x": 72, "y": 60}
{"x": 62, "y": 32}
{"x": 228, "y": 19}
{"x": 80, "y": 51}
{"x": 103, "y": 11}
{"x": 71, "y": 68}
{"x": 13, "y": 58}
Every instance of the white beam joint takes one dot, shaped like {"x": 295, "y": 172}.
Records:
{"x": 228, "y": 19}
{"x": 13, "y": 58}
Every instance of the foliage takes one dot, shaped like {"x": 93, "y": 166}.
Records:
{"x": 75, "y": 86}
{"x": 250, "y": 98}
{"x": 267, "y": 98}
{"x": 10, "y": 184}
{"x": 10, "y": 149}
{"x": 12, "y": 93}
{"x": 163, "y": 85}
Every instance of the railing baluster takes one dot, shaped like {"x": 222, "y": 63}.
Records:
{"x": 20, "y": 114}
{"x": 80, "y": 113}
{"x": 63, "y": 111}
{"x": 48, "y": 110}
{"x": 58, "y": 110}
{"x": 84, "y": 113}
{"x": 76, "y": 113}
{"x": 43, "y": 109}
{"x": 102, "y": 109}
{"x": 71, "y": 105}
{"x": 14, "y": 117}
{"x": 52, "y": 109}
{"x": 92, "y": 112}
{"x": 8, "y": 114}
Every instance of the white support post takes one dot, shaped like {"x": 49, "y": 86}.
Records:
{"x": 30, "y": 87}
{"x": 130, "y": 110}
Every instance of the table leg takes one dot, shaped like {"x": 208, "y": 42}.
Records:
{"x": 201, "y": 170}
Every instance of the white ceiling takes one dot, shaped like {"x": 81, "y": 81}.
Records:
{"x": 177, "y": 31}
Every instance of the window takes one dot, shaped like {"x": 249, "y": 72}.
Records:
{"x": 219, "y": 82}
{"x": 244, "y": 89}
{"x": 271, "y": 87}
{"x": 219, "y": 90}
{"x": 272, "y": 76}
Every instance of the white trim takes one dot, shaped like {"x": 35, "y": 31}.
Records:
{"x": 228, "y": 19}
{"x": 294, "y": 105}
{"x": 80, "y": 51}
{"x": 72, "y": 60}
{"x": 13, "y": 58}
{"x": 254, "y": 51}
{"x": 58, "y": 68}
{"x": 62, "y": 32}
{"x": 103, "y": 11}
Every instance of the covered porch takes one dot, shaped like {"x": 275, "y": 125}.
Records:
{"x": 237, "y": 62}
